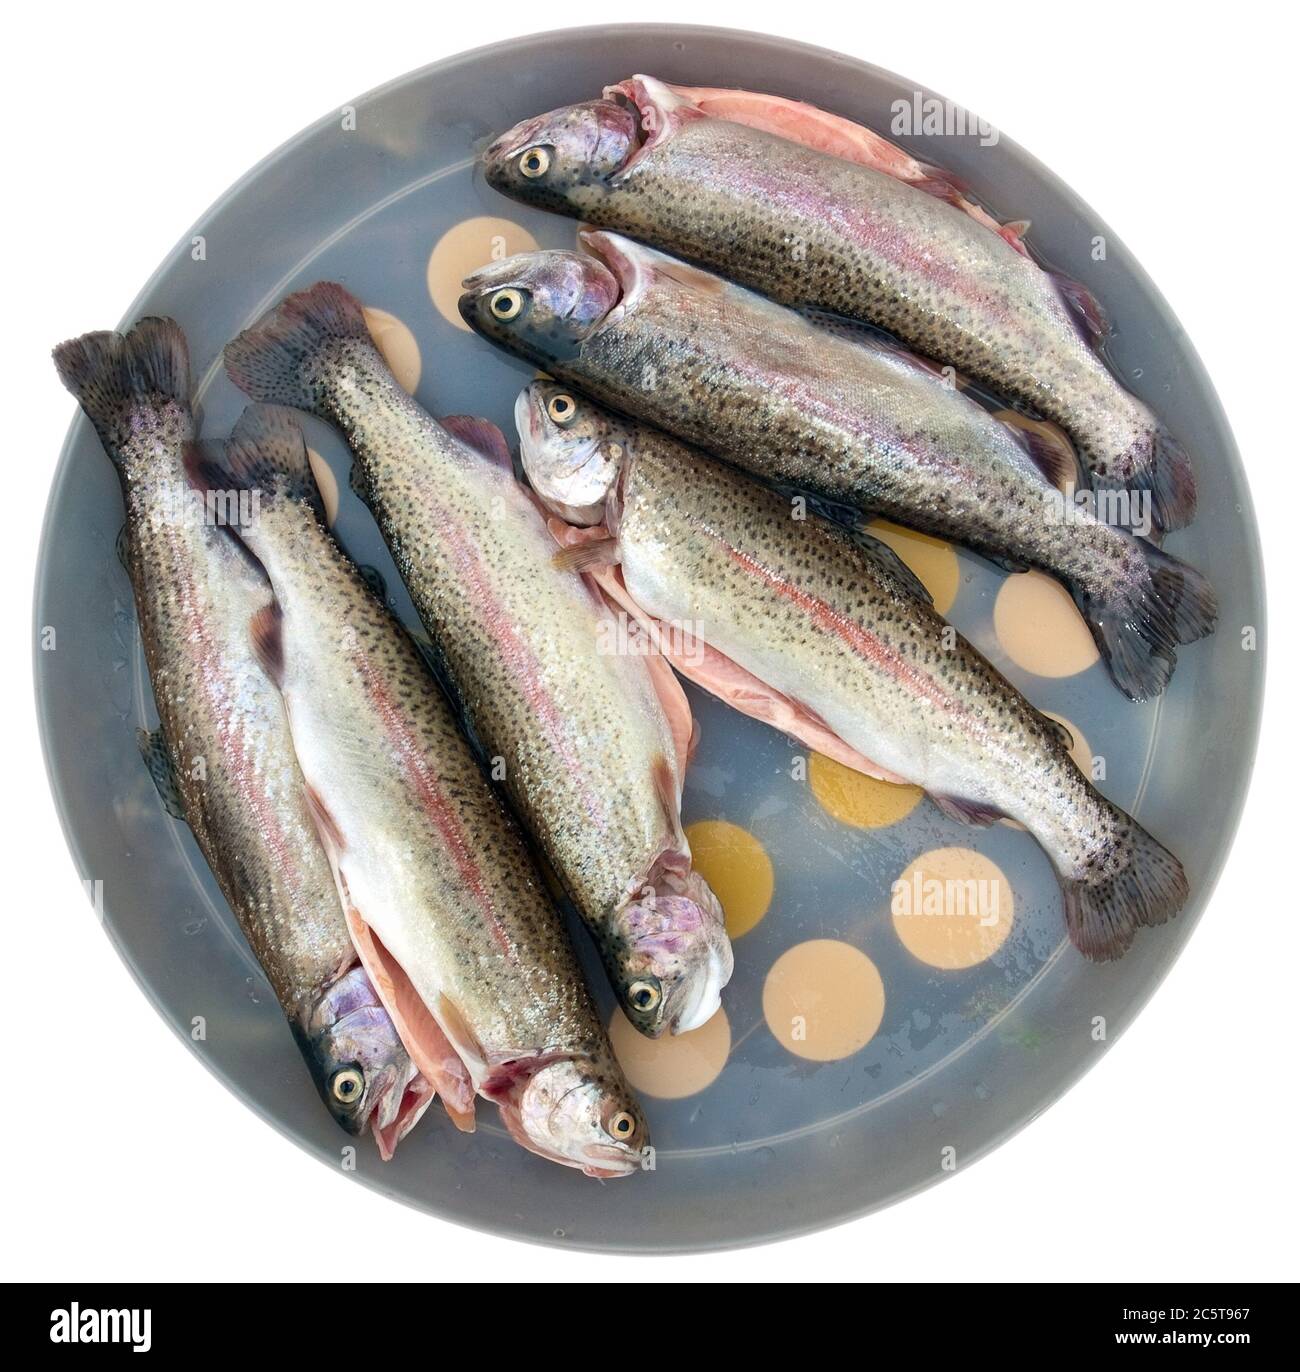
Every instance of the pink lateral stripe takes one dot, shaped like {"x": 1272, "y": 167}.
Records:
{"x": 219, "y": 690}
{"x": 863, "y": 644}
{"x": 524, "y": 662}
{"x": 421, "y": 776}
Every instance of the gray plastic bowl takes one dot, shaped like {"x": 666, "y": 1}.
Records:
{"x": 776, "y": 1145}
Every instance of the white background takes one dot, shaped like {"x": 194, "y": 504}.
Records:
{"x": 1174, "y": 1159}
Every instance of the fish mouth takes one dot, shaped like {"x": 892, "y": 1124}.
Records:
{"x": 528, "y": 424}
{"x": 397, "y": 1110}
{"x": 601, "y": 1156}
{"x": 699, "y": 996}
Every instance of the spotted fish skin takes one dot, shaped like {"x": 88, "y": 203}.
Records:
{"x": 835, "y": 622}
{"x": 795, "y": 403}
{"x": 589, "y": 756}
{"x": 810, "y": 229}
{"x": 225, "y": 746}
{"x": 432, "y": 869}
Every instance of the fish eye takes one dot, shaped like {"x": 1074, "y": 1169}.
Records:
{"x": 346, "y": 1085}
{"x": 535, "y": 162}
{"x": 643, "y": 995}
{"x": 506, "y": 304}
{"x": 562, "y": 408}
{"x": 622, "y": 1126}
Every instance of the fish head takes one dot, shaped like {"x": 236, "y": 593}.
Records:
{"x": 361, "y": 1069}
{"x": 572, "y": 449}
{"x": 541, "y": 305}
{"x": 564, "y": 160}
{"x": 674, "y": 956}
{"x": 579, "y": 1112}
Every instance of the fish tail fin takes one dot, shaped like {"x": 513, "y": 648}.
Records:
{"x": 1155, "y": 465}
{"x": 283, "y": 359}
{"x": 114, "y": 376}
{"x": 267, "y": 454}
{"x": 1163, "y": 604}
{"x": 1173, "y": 482}
{"x": 1138, "y": 883}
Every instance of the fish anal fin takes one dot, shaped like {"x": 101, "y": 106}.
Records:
{"x": 158, "y": 759}
{"x": 1048, "y": 447}
{"x": 886, "y": 561}
{"x": 1058, "y": 731}
{"x": 973, "y": 812}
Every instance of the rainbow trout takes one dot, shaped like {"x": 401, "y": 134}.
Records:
{"x": 855, "y": 420}
{"x": 780, "y": 198}
{"x": 223, "y": 759}
{"x": 833, "y": 624}
{"x": 588, "y": 740}
{"x": 469, "y": 954}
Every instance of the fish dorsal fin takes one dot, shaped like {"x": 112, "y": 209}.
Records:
{"x": 885, "y": 561}
{"x": 158, "y": 759}
{"x": 1058, "y": 730}
{"x": 1082, "y": 306}
{"x": 482, "y": 435}
{"x": 1047, "y": 445}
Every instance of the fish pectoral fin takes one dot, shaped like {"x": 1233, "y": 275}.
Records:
{"x": 974, "y": 812}
{"x": 327, "y": 829}
{"x": 422, "y": 1036}
{"x": 158, "y": 759}
{"x": 482, "y": 437}
{"x": 462, "y": 1037}
{"x": 265, "y": 631}
{"x": 583, "y": 557}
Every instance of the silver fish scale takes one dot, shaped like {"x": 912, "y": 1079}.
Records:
{"x": 582, "y": 782}
{"x": 382, "y": 747}
{"x": 759, "y": 385}
{"x": 224, "y": 722}
{"x": 784, "y": 598}
{"x": 810, "y": 229}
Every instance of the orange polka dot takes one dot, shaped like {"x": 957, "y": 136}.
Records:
{"x": 952, "y": 908}
{"x": 1039, "y": 627}
{"x": 676, "y": 1065}
{"x": 737, "y": 868}
{"x": 823, "y": 1000}
{"x": 854, "y": 798}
